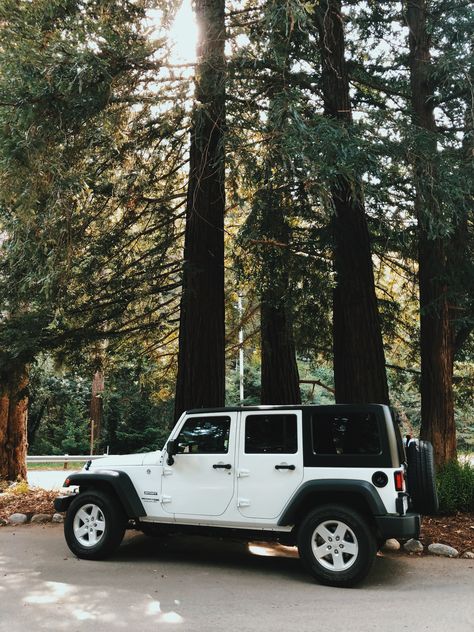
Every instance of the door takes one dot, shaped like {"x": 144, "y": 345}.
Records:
{"x": 270, "y": 467}
{"x": 201, "y": 480}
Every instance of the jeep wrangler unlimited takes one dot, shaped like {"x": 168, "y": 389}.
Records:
{"x": 333, "y": 480}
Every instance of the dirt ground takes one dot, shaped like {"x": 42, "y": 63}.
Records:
{"x": 456, "y": 530}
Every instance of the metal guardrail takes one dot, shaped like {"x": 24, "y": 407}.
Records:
{"x": 64, "y": 458}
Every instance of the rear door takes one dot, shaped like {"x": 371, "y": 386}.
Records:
{"x": 270, "y": 462}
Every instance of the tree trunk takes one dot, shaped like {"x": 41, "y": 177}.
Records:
{"x": 436, "y": 332}
{"x": 13, "y": 424}
{"x": 96, "y": 407}
{"x": 280, "y": 378}
{"x": 279, "y": 370}
{"x": 359, "y": 361}
{"x": 201, "y": 355}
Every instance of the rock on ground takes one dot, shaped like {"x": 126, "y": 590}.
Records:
{"x": 468, "y": 555}
{"x": 18, "y": 518}
{"x": 413, "y": 546}
{"x": 3, "y": 522}
{"x": 443, "y": 550}
{"x": 41, "y": 518}
{"x": 58, "y": 518}
{"x": 391, "y": 545}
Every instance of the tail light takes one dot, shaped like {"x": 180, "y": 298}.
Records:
{"x": 399, "y": 481}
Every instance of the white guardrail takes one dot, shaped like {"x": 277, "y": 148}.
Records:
{"x": 64, "y": 458}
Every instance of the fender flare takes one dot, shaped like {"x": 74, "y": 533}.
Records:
{"x": 348, "y": 486}
{"x": 120, "y": 483}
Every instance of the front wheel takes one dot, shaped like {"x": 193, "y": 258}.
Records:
{"x": 94, "y": 525}
{"x": 337, "y": 545}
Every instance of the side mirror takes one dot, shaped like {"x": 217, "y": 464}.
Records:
{"x": 171, "y": 449}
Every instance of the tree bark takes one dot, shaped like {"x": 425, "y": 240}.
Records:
{"x": 436, "y": 331}
{"x": 279, "y": 370}
{"x": 201, "y": 355}
{"x": 359, "y": 360}
{"x": 96, "y": 407}
{"x": 13, "y": 423}
{"x": 280, "y": 378}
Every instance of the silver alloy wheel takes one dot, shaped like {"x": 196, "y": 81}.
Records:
{"x": 334, "y": 545}
{"x": 89, "y": 525}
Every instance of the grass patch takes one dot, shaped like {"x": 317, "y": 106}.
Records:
{"x": 72, "y": 465}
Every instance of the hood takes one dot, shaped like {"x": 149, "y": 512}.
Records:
{"x": 120, "y": 460}
{"x": 111, "y": 461}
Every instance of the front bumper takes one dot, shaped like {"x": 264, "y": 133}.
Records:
{"x": 61, "y": 503}
{"x": 400, "y": 527}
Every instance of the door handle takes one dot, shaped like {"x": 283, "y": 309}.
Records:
{"x": 222, "y": 466}
{"x": 285, "y": 467}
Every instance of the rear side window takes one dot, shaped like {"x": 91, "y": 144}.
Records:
{"x": 271, "y": 434}
{"x": 345, "y": 434}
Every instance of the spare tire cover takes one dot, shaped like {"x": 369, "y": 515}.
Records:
{"x": 421, "y": 477}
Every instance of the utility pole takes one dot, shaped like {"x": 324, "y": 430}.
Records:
{"x": 241, "y": 351}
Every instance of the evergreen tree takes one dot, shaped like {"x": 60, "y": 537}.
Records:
{"x": 359, "y": 362}
{"x": 201, "y": 357}
{"x": 441, "y": 231}
{"x": 91, "y": 160}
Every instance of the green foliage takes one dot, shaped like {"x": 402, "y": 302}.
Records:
{"x": 135, "y": 420}
{"x": 251, "y": 383}
{"x": 136, "y": 417}
{"x": 76, "y": 430}
{"x": 88, "y": 203}
{"x": 58, "y": 420}
{"x": 455, "y": 484}
{"x": 93, "y": 152}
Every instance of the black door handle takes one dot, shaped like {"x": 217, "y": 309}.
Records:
{"x": 285, "y": 467}
{"x": 222, "y": 466}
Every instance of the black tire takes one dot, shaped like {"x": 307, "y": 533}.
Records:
{"x": 421, "y": 478}
{"x": 99, "y": 509}
{"x": 345, "y": 531}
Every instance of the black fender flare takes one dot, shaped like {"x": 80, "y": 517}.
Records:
{"x": 120, "y": 483}
{"x": 360, "y": 488}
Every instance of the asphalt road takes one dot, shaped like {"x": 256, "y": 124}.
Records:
{"x": 48, "y": 479}
{"x": 204, "y": 585}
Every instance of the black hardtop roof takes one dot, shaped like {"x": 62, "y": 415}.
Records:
{"x": 236, "y": 409}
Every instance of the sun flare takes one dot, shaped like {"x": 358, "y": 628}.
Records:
{"x": 184, "y": 34}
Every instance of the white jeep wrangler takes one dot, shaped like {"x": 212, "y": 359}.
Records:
{"x": 330, "y": 479}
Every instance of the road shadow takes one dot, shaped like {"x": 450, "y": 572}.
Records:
{"x": 215, "y": 553}
{"x": 246, "y": 557}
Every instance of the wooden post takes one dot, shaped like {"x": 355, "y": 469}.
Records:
{"x": 92, "y": 436}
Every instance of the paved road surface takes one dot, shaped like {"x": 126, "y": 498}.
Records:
{"x": 201, "y": 585}
{"x": 47, "y": 479}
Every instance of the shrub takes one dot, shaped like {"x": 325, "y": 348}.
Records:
{"x": 456, "y": 487}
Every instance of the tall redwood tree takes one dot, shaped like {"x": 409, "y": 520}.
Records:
{"x": 201, "y": 356}
{"x": 13, "y": 422}
{"x": 436, "y": 330}
{"x": 359, "y": 361}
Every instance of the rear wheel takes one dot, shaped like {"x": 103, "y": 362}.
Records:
{"x": 337, "y": 545}
{"x": 94, "y": 525}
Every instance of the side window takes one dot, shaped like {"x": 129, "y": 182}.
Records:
{"x": 204, "y": 435}
{"x": 272, "y": 434}
{"x": 352, "y": 433}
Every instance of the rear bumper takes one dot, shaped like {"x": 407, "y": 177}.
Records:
{"x": 402, "y": 527}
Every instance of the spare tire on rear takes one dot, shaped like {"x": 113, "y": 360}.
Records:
{"x": 421, "y": 477}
